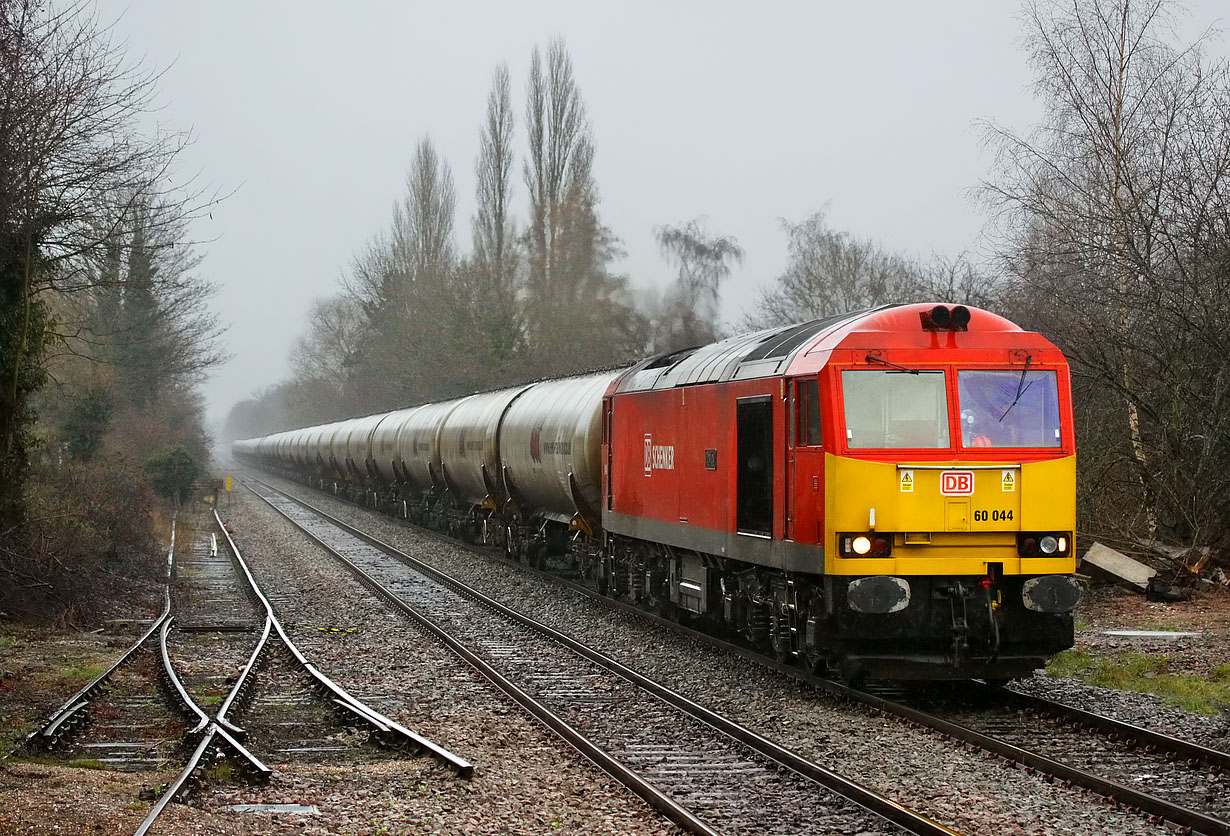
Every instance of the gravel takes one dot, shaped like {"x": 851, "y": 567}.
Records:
{"x": 938, "y": 778}
{"x": 524, "y": 781}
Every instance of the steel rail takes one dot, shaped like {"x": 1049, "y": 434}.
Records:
{"x": 868, "y": 799}
{"x": 1158, "y": 809}
{"x": 1194, "y": 753}
{"x": 643, "y": 789}
{"x": 177, "y": 686}
{"x": 385, "y": 729}
{"x": 75, "y": 707}
{"x": 187, "y": 776}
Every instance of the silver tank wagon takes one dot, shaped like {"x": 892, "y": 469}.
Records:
{"x": 352, "y": 447}
{"x": 470, "y": 446}
{"x": 382, "y": 445}
{"x": 418, "y": 443}
{"x": 551, "y": 447}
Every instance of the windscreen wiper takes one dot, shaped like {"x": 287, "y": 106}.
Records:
{"x": 1021, "y": 388}
{"x": 871, "y": 358}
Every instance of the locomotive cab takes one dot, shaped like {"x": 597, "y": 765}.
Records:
{"x": 949, "y": 525}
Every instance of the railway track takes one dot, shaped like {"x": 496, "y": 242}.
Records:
{"x": 702, "y": 771}
{"x": 1165, "y": 779}
{"x": 230, "y": 654}
{"x": 119, "y": 719}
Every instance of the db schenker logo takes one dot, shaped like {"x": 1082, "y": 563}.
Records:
{"x": 957, "y": 483}
{"x": 658, "y": 456}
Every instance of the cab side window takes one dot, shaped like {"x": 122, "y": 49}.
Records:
{"x": 807, "y": 426}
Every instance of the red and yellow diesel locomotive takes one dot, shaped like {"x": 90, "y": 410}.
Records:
{"x": 887, "y": 493}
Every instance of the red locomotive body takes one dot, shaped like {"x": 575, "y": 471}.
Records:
{"x": 750, "y": 460}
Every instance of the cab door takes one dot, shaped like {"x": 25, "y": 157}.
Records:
{"x": 754, "y": 466}
{"x": 806, "y": 462}
{"x": 791, "y": 435}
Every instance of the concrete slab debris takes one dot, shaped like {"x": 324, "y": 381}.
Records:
{"x": 1118, "y": 565}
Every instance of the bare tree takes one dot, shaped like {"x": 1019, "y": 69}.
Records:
{"x": 560, "y": 158}
{"x": 423, "y": 223}
{"x": 406, "y": 285}
{"x": 577, "y": 315}
{"x": 959, "y": 280}
{"x": 829, "y": 272}
{"x": 690, "y": 312}
{"x": 491, "y": 275}
{"x": 494, "y": 232}
{"x": 1115, "y": 214}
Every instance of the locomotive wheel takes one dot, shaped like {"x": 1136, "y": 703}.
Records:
{"x": 816, "y": 662}
{"x": 756, "y": 625}
{"x": 779, "y": 638}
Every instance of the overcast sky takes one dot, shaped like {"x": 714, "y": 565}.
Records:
{"x": 746, "y": 113}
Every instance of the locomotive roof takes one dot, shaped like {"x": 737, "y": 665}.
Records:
{"x": 760, "y": 354}
{"x": 772, "y": 351}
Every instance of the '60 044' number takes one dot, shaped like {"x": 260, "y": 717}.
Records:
{"x": 993, "y": 516}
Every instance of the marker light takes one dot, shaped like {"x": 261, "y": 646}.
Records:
{"x": 1048, "y": 544}
{"x": 860, "y": 545}
{"x": 1063, "y": 544}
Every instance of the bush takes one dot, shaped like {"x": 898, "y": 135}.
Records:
{"x": 172, "y": 472}
{"x": 87, "y": 540}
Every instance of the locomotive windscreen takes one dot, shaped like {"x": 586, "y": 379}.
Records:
{"x": 1008, "y": 408}
{"x": 895, "y": 409}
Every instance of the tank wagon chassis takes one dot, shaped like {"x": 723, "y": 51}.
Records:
{"x": 887, "y": 493}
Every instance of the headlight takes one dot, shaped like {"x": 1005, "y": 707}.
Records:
{"x": 1043, "y": 544}
{"x": 871, "y": 544}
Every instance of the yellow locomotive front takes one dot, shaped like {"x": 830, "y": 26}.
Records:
{"x": 950, "y": 504}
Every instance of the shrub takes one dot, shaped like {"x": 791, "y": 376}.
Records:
{"x": 172, "y": 472}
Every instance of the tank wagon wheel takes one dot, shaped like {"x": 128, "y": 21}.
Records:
{"x": 536, "y": 555}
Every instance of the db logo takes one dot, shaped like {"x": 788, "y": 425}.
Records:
{"x": 648, "y": 454}
{"x": 957, "y": 483}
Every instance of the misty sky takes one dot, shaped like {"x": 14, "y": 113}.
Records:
{"x": 746, "y": 113}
